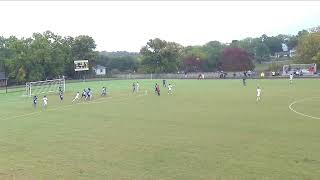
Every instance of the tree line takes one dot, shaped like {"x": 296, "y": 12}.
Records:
{"x": 48, "y": 55}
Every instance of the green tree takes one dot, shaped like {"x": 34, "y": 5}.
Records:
{"x": 273, "y": 43}
{"x": 309, "y": 48}
{"x": 161, "y": 56}
{"x": 262, "y": 52}
{"x": 213, "y": 50}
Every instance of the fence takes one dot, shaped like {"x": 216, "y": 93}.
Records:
{"x": 207, "y": 75}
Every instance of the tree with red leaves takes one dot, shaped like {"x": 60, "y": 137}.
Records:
{"x": 236, "y": 59}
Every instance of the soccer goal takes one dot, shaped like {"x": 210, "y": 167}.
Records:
{"x": 45, "y": 87}
{"x": 299, "y": 69}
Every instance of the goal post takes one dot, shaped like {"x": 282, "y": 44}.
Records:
{"x": 45, "y": 87}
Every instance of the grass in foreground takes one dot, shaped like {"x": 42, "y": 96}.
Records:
{"x": 210, "y": 129}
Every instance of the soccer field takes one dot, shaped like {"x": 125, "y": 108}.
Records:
{"x": 208, "y": 129}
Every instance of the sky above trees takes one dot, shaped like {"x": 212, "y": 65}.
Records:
{"x": 118, "y": 26}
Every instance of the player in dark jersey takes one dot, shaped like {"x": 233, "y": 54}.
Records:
{"x": 164, "y": 83}
{"x": 61, "y": 95}
{"x": 133, "y": 87}
{"x": 35, "y": 99}
{"x": 156, "y": 89}
{"x": 84, "y": 94}
{"x": 89, "y": 94}
{"x": 244, "y": 78}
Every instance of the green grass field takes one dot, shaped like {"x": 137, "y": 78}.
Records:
{"x": 209, "y": 129}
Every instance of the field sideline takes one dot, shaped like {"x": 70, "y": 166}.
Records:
{"x": 208, "y": 129}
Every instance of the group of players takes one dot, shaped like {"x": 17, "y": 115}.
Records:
{"x": 136, "y": 87}
{"x": 164, "y": 84}
{"x": 87, "y": 95}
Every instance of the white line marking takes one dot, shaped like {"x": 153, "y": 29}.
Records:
{"x": 302, "y": 114}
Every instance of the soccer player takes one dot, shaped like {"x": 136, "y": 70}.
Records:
{"x": 45, "y": 101}
{"x": 133, "y": 87}
{"x": 244, "y": 78}
{"x": 164, "y": 83}
{"x": 291, "y": 78}
{"x": 89, "y": 94}
{"x": 258, "y": 93}
{"x": 84, "y": 94}
{"x": 104, "y": 91}
{"x": 169, "y": 89}
{"x": 76, "y": 97}
{"x": 61, "y": 95}
{"x": 137, "y": 86}
{"x": 158, "y": 89}
{"x": 35, "y": 98}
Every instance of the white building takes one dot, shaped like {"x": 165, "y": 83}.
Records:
{"x": 284, "y": 47}
{"x": 99, "y": 70}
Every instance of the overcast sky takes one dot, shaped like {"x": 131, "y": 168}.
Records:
{"x": 117, "y": 26}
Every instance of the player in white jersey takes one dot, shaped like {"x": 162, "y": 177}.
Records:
{"x": 45, "y": 101}
{"x": 291, "y": 78}
{"x": 169, "y": 89}
{"x": 137, "y": 87}
{"x": 77, "y": 97}
{"x": 258, "y": 93}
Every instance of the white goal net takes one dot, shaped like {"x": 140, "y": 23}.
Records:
{"x": 45, "y": 87}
